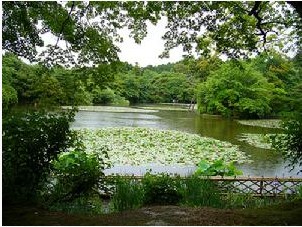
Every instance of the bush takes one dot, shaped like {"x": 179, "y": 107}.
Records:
{"x": 120, "y": 101}
{"x": 30, "y": 141}
{"x": 161, "y": 189}
{"x": 75, "y": 174}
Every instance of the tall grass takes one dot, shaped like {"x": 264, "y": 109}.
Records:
{"x": 128, "y": 195}
{"x": 200, "y": 192}
{"x": 164, "y": 190}
{"x": 192, "y": 191}
{"x": 239, "y": 200}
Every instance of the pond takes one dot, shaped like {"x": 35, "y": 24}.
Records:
{"x": 265, "y": 162}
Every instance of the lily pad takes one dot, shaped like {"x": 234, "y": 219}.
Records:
{"x": 142, "y": 146}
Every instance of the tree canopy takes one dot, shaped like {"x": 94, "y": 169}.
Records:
{"x": 90, "y": 29}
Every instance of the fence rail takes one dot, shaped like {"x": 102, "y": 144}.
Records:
{"x": 257, "y": 186}
{"x": 261, "y": 186}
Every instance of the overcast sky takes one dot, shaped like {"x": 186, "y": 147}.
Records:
{"x": 145, "y": 53}
{"x": 150, "y": 48}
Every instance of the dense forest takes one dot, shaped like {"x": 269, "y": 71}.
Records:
{"x": 265, "y": 86}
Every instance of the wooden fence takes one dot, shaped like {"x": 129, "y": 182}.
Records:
{"x": 256, "y": 186}
{"x": 259, "y": 186}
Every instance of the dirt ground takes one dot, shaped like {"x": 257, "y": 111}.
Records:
{"x": 286, "y": 214}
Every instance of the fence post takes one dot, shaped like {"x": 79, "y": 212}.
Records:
{"x": 261, "y": 187}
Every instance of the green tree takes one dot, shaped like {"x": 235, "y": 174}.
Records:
{"x": 9, "y": 94}
{"x": 47, "y": 91}
{"x": 283, "y": 73}
{"x": 129, "y": 86}
{"x": 82, "y": 96}
{"x": 20, "y": 76}
{"x": 236, "y": 90}
{"x": 67, "y": 79}
{"x": 231, "y": 28}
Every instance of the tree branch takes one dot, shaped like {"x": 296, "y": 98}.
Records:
{"x": 64, "y": 23}
{"x": 255, "y": 12}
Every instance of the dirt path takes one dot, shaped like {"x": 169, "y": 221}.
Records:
{"x": 287, "y": 214}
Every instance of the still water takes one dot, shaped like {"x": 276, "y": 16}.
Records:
{"x": 265, "y": 162}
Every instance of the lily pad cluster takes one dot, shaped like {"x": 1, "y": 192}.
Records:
{"x": 143, "y": 146}
{"x": 257, "y": 140}
{"x": 265, "y": 123}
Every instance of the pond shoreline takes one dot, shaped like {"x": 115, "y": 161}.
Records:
{"x": 112, "y": 109}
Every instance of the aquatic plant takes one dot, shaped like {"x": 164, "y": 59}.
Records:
{"x": 142, "y": 146}
{"x": 265, "y": 123}
{"x": 257, "y": 140}
{"x": 217, "y": 168}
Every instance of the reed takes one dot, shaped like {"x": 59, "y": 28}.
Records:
{"x": 200, "y": 192}
{"x": 128, "y": 195}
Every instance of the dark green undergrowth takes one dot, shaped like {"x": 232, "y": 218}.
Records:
{"x": 30, "y": 141}
{"x": 192, "y": 191}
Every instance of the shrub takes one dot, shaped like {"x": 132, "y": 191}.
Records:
{"x": 75, "y": 174}
{"x": 120, "y": 101}
{"x": 30, "y": 141}
{"x": 161, "y": 189}
{"x": 105, "y": 96}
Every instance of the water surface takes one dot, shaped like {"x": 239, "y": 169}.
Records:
{"x": 265, "y": 162}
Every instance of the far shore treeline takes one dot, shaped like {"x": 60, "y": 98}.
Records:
{"x": 269, "y": 85}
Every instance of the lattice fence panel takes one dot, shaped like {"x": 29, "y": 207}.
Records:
{"x": 259, "y": 186}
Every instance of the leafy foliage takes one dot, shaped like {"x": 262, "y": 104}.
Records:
{"x": 267, "y": 85}
{"x": 232, "y": 28}
{"x": 290, "y": 143}
{"x": 161, "y": 189}
{"x": 31, "y": 141}
{"x": 218, "y": 168}
{"x": 236, "y": 90}
{"x": 9, "y": 97}
{"x": 75, "y": 174}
